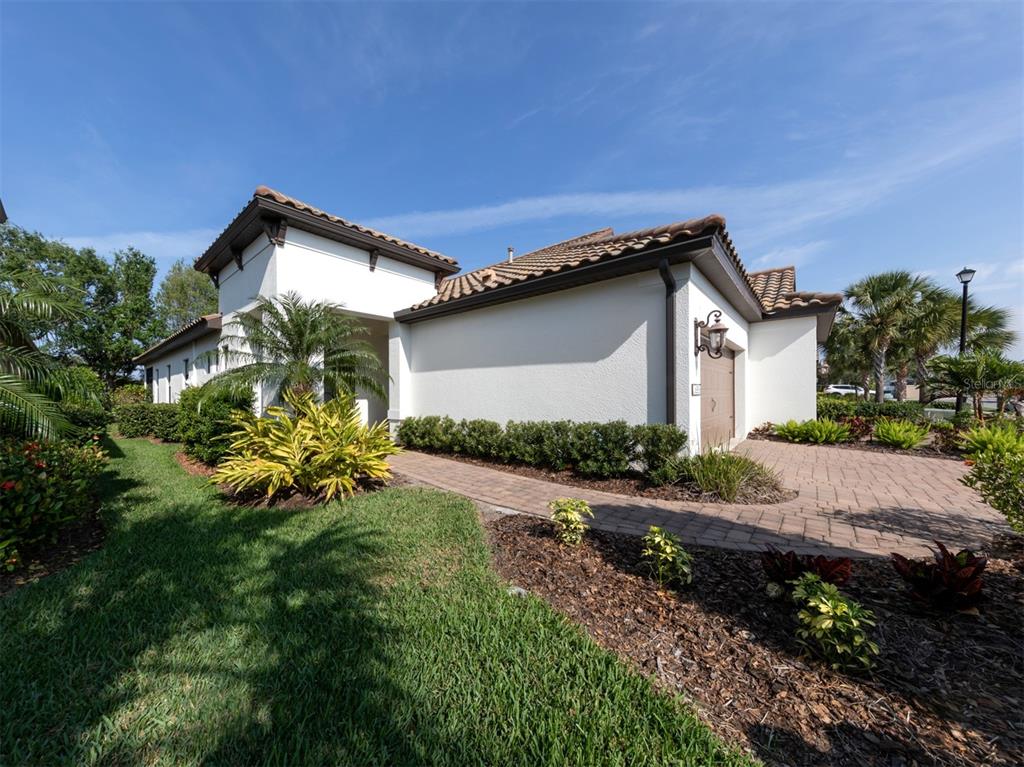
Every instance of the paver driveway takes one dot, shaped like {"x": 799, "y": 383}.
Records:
{"x": 850, "y": 502}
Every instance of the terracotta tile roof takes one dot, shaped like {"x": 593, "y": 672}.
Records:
{"x": 208, "y": 322}
{"x": 776, "y": 289}
{"x": 601, "y": 245}
{"x": 272, "y": 194}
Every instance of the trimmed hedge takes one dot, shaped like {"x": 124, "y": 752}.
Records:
{"x": 204, "y": 421}
{"x": 147, "y": 419}
{"x": 130, "y": 394}
{"x": 593, "y": 449}
{"x": 835, "y": 408}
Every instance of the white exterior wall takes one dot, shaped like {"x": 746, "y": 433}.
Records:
{"x": 197, "y": 374}
{"x": 324, "y": 270}
{"x": 258, "y": 276}
{"x": 593, "y": 353}
{"x": 782, "y": 375}
{"x": 697, "y": 297}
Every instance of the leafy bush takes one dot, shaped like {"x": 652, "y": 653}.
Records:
{"x": 321, "y": 450}
{"x": 833, "y": 625}
{"x": 996, "y": 436}
{"x": 834, "y": 406}
{"x": 837, "y": 407}
{"x": 821, "y": 432}
{"x": 148, "y": 420}
{"x": 567, "y": 515}
{"x": 659, "y": 444}
{"x": 859, "y": 427}
{"x": 726, "y": 476}
{"x": 42, "y": 486}
{"x": 951, "y": 582}
{"x": 592, "y": 449}
{"x": 999, "y": 478}
{"x": 782, "y": 568}
{"x": 204, "y": 421}
{"x": 84, "y": 387}
{"x": 906, "y": 435}
{"x": 130, "y": 394}
{"x": 89, "y": 419}
{"x": 669, "y": 562}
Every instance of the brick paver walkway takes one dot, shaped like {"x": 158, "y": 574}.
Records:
{"x": 850, "y": 502}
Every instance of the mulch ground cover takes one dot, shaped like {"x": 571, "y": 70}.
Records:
{"x": 49, "y": 556}
{"x": 946, "y": 689}
{"x": 634, "y": 485}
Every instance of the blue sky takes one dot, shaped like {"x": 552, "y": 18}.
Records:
{"x": 843, "y": 138}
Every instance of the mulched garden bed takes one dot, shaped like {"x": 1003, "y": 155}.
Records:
{"x": 47, "y": 557}
{"x": 927, "y": 450}
{"x": 946, "y": 690}
{"x": 634, "y": 485}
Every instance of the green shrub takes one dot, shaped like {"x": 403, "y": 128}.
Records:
{"x": 820, "y": 432}
{"x": 906, "y": 410}
{"x": 999, "y": 479}
{"x": 836, "y": 407}
{"x": 603, "y": 449}
{"x": 669, "y": 562}
{"x": 592, "y": 449}
{"x": 567, "y": 515}
{"x": 148, "y": 420}
{"x": 130, "y": 394}
{"x": 658, "y": 443}
{"x": 204, "y": 420}
{"x": 906, "y": 435}
{"x": 727, "y": 477}
{"x": 323, "y": 450}
{"x": 997, "y": 436}
{"x": 42, "y": 486}
{"x": 833, "y": 625}
{"x": 89, "y": 419}
{"x": 84, "y": 387}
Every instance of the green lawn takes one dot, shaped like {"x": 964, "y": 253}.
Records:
{"x": 367, "y": 632}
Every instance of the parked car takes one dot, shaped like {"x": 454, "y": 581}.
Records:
{"x": 844, "y": 390}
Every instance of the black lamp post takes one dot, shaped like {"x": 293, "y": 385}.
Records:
{"x": 965, "y": 276}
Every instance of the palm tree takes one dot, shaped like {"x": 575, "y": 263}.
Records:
{"x": 299, "y": 346}
{"x": 988, "y": 328}
{"x": 933, "y": 323}
{"x": 30, "y": 380}
{"x": 978, "y": 374}
{"x": 883, "y": 304}
{"x": 846, "y": 351}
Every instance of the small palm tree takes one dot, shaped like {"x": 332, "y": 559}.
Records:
{"x": 978, "y": 374}
{"x": 298, "y": 346}
{"x": 30, "y": 380}
{"x": 883, "y": 304}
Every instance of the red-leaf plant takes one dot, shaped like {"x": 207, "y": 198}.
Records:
{"x": 951, "y": 582}
{"x": 782, "y": 567}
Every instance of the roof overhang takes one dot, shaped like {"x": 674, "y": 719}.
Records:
{"x": 264, "y": 216}
{"x": 707, "y": 252}
{"x": 825, "y": 313}
{"x": 186, "y": 335}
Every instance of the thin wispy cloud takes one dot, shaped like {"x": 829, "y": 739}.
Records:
{"x": 792, "y": 255}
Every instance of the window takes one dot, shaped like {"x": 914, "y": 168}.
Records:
{"x": 186, "y": 368}
{"x": 149, "y": 376}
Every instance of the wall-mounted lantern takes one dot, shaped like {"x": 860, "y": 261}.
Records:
{"x": 716, "y": 335}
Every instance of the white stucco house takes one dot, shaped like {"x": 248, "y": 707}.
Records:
{"x": 600, "y": 327}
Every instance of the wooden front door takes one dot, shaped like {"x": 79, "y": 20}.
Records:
{"x": 717, "y": 400}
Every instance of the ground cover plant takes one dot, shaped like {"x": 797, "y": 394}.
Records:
{"x": 833, "y": 625}
{"x": 369, "y": 631}
{"x": 949, "y": 582}
{"x": 1006, "y": 436}
{"x": 822, "y": 431}
{"x": 567, "y": 515}
{"x": 670, "y": 564}
{"x": 781, "y": 568}
{"x": 728, "y": 477}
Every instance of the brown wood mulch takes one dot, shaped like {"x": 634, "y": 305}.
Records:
{"x": 50, "y": 556}
{"x": 635, "y": 485}
{"x": 946, "y": 690}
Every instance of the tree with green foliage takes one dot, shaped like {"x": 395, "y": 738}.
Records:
{"x": 114, "y": 319}
{"x": 293, "y": 345}
{"x": 977, "y": 375}
{"x": 184, "y": 295}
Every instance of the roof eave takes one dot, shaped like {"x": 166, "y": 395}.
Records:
{"x": 248, "y": 225}
{"x": 192, "y": 332}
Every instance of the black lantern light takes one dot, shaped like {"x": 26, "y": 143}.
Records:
{"x": 716, "y": 335}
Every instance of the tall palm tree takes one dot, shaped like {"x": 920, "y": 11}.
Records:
{"x": 883, "y": 303}
{"x": 988, "y": 328}
{"x": 300, "y": 346}
{"x": 933, "y": 323}
{"x": 846, "y": 351}
{"x": 30, "y": 380}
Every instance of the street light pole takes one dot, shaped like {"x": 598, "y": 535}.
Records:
{"x": 965, "y": 276}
